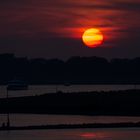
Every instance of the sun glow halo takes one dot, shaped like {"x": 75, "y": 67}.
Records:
{"x": 92, "y": 37}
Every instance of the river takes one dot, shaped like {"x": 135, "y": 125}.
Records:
{"x": 41, "y": 89}
{"x": 73, "y": 134}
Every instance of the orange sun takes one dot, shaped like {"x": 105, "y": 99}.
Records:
{"x": 92, "y": 37}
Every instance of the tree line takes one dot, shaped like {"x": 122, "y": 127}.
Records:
{"x": 76, "y": 70}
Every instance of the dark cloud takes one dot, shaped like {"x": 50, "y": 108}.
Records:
{"x": 115, "y": 5}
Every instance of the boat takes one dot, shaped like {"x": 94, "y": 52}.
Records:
{"x": 17, "y": 85}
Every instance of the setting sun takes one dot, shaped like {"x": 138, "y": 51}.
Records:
{"x": 92, "y": 37}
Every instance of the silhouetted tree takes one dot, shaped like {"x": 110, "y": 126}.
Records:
{"x": 78, "y": 70}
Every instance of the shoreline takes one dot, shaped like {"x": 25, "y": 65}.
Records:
{"x": 74, "y": 126}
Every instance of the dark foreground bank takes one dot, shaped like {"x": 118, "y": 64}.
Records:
{"x": 74, "y": 126}
{"x": 125, "y": 102}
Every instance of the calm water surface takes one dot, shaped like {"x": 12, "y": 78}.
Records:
{"x": 26, "y": 120}
{"x": 73, "y": 134}
{"x": 41, "y": 89}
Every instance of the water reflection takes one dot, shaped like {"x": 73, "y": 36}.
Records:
{"x": 73, "y": 134}
{"x": 88, "y": 135}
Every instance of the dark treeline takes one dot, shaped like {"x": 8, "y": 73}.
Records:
{"x": 87, "y": 103}
{"x": 76, "y": 70}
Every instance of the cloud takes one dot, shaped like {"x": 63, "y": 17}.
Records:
{"x": 113, "y": 5}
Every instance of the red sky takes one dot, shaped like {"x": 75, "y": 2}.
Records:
{"x": 47, "y": 28}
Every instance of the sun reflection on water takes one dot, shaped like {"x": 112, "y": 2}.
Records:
{"x": 88, "y": 135}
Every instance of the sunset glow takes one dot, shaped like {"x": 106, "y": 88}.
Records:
{"x": 43, "y": 27}
{"x": 92, "y": 37}
{"x": 88, "y": 135}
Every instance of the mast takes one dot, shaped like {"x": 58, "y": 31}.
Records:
{"x": 8, "y": 114}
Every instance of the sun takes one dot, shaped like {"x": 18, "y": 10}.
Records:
{"x": 92, "y": 37}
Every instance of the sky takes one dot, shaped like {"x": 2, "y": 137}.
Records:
{"x": 53, "y": 29}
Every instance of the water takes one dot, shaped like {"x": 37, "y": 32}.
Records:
{"x": 69, "y": 134}
{"x": 34, "y": 119}
{"x": 73, "y": 134}
{"x": 41, "y": 89}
